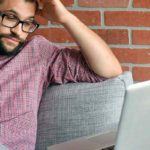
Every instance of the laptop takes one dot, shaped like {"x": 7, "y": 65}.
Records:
{"x": 134, "y": 126}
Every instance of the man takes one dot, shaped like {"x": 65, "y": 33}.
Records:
{"x": 28, "y": 67}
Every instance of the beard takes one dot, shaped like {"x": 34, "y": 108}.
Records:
{"x": 4, "y": 51}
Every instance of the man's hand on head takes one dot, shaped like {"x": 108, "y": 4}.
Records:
{"x": 53, "y": 10}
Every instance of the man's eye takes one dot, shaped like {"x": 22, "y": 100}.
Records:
{"x": 10, "y": 17}
{"x": 27, "y": 23}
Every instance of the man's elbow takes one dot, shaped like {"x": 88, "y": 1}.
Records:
{"x": 110, "y": 72}
{"x": 117, "y": 72}
{"x": 114, "y": 72}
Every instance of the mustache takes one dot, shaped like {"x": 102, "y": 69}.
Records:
{"x": 12, "y": 36}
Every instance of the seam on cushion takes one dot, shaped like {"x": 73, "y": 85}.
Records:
{"x": 123, "y": 79}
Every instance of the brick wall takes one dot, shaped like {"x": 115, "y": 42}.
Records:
{"x": 123, "y": 24}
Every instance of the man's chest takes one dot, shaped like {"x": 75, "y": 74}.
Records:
{"x": 21, "y": 86}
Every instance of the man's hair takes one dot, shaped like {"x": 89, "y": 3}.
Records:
{"x": 32, "y": 1}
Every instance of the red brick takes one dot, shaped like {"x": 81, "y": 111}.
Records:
{"x": 136, "y": 56}
{"x": 110, "y": 36}
{"x": 103, "y": 3}
{"x": 43, "y": 21}
{"x": 59, "y": 35}
{"x": 125, "y": 68}
{"x": 114, "y": 36}
{"x": 141, "y": 73}
{"x": 88, "y": 17}
{"x": 141, "y": 37}
{"x": 68, "y": 2}
{"x": 127, "y": 18}
{"x": 141, "y": 3}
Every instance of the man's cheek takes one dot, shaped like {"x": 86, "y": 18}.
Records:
{"x": 4, "y": 30}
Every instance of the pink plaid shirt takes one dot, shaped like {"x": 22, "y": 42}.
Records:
{"x": 24, "y": 77}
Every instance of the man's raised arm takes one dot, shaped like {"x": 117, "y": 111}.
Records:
{"x": 97, "y": 54}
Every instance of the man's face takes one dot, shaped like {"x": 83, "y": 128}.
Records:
{"x": 12, "y": 39}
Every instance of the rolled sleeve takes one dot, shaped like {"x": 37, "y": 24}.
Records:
{"x": 69, "y": 65}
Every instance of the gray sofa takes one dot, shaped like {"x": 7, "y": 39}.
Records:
{"x": 74, "y": 110}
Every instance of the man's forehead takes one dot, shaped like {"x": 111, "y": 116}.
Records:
{"x": 22, "y": 8}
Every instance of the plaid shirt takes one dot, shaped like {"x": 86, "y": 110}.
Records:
{"x": 24, "y": 77}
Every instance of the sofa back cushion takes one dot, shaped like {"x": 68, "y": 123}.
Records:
{"x": 74, "y": 110}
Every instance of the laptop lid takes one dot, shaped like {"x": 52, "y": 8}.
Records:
{"x": 134, "y": 127}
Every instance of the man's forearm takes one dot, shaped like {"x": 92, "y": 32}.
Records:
{"x": 96, "y": 52}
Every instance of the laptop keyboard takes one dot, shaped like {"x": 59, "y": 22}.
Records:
{"x": 109, "y": 148}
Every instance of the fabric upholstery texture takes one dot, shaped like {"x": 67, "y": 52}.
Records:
{"x": 74, "y": 110}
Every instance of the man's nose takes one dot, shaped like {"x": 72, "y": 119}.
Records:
{"x": 17, "y": 30}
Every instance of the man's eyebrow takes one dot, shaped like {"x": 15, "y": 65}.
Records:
{"x": 13, "y": 11}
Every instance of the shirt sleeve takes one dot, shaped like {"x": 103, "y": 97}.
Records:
{"x": 65, "y": 65}
{"x": 69, "y": 65}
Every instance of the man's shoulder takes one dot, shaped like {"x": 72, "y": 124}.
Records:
{"x": 37, "y": 39}
{"x": 41, "y": 46}
{"x": 41, "y": 42}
